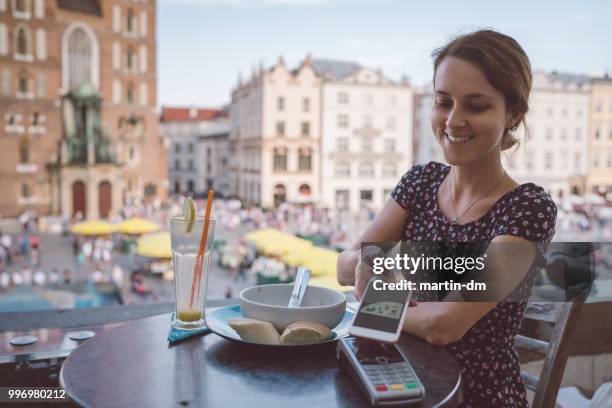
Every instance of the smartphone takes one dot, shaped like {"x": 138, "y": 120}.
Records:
{"x": 381, "y": 313}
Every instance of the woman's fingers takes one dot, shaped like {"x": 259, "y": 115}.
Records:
{"x": 363, "y": 272}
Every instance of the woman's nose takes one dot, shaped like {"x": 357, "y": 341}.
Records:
{"x": 455, "y": 119}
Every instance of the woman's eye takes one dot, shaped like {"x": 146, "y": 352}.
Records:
{"x": 442, "y": 103}
{"x": 479, "y": 108}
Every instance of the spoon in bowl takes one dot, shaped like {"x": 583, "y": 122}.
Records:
{"x": 299, "y": 287}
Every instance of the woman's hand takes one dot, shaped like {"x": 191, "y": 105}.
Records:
{"x": 363, "y": 273}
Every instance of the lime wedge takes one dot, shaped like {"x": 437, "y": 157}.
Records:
{"x": 189, "y": 212}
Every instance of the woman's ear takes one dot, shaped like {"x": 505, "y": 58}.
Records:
{"x": 513, "y": 116}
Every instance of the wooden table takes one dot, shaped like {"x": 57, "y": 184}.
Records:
{"x": 132, "y": 365}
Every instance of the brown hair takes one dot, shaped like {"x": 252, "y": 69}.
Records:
{"x": 505, "y": 65}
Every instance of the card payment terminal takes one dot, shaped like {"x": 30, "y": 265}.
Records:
{"x": 382, "y": 372}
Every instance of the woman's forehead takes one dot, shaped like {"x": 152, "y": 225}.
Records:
{"x": 458, "y": 77}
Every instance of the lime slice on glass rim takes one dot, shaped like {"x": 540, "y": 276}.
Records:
{"x": 189, "y": 212}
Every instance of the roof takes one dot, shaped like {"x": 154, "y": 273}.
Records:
{"x": 191, "y": 114}
{"x": 81, "y": 6}
{"x": 337, "y": 69}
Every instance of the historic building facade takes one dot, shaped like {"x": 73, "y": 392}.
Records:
{"x": 367, "y": 134}
{"x": 555, "y": 153}
{"x": 79, "y": 133}
{"x": 198, "y": 149}
{"x": 274, "y": 136}
{"x": 599, "y": 179}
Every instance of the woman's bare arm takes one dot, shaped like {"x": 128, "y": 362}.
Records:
{"x": 386, "y": 227}
{"x": 441, "y": 323}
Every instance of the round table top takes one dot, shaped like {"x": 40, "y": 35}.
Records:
{"x": 133, "y": 365}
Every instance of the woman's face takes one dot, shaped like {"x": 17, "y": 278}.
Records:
{"x": 469, "y": 116}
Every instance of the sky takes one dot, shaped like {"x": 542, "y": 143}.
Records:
{"x": 204, "y": 44}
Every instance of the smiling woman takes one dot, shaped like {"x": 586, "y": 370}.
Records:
{"x": 482, "y": 82}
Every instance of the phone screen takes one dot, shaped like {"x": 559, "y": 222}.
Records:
{"x": 381, "y": 309}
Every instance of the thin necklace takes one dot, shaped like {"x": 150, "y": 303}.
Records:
{"x": 456, "y": 217}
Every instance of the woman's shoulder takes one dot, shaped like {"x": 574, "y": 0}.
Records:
{"x": 410, "y": 185}
{"x": 529, "y": 212}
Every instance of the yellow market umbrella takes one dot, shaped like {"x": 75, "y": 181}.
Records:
{"x": 320, "y": 261}
{"x": 329, "y": 282}
{"x": 136, "y": 225}
{"x": 93, "y": 228}
{"x": 273, "y": 241}
{"x": 156, "y": 245}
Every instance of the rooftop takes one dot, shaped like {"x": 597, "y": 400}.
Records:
{"x": 190, "y": 114}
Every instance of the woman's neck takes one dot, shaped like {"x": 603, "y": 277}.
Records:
{"x": 471, "y": 180}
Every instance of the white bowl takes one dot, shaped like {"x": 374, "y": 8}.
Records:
{"x": 269, "y": 303}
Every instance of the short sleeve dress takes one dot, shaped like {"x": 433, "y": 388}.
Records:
{"x": 487, "y": 355}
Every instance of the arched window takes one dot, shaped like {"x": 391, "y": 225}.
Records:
{"x": 304, "y": 190}
{"x": 22, "y": 37}
{"x": 24, "y": 151}
{"x": 130, "y": 93}
{"x": 23, "y": 85}
{"x": 21, "y": 6}
{"x": 130, "y": 60}
{"x": 130, "y": 23}
{"x": 79, "y": 58}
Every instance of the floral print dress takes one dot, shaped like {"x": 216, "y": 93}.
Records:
{"x": 486, "y": 354}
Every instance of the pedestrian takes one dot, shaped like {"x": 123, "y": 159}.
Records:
{"x": 67, "y": 277}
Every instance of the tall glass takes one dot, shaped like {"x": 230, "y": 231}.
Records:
{"x": 190, "y": 281}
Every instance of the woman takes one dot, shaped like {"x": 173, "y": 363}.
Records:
{"x": 481, "y": 84}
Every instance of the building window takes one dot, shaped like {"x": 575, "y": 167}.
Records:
{"x": 365, "y": 195}
{"x": 280, "y": 159}
{"x": 143, "y": 23}
{"x": 24, "y": 151}
{"x": 280, "y": 128}
{"x": 343, "y": 98}
{"x": 595, "y": 160}
{"x": 80, "y": 58}
{"x": 4, "y": 45}
{"x": 549, "y": 133}
{"x": 366, "y": 169}
{"x": 564, "y": 113}
{"x": 366, "y": 145}
{"x": 387, "y": 193}
{"x": 389, "y": 170}
{"x": 25, "y": 190}
{"x": 22, "y": 45}
{"x": 177, "y": 148}
{"x": 550, "y": 112}
{"x": 130, "y": 93}
{"x": 6, "y": 81}
{"x": 342, "y": 199}
{"x": 177, "y": 187}
{"x": 390, "y": 124}
{"x": 116, "y": 18}
{"x": 343, "y": 121}
{"x": 190, "y": 186}
{"x": 23, "y": 86}
{"x": 368, "y": 99}
{"x": 280, "y": 103}
{"x": 391, "y": 100}
{"x": 342, "y": 144}
{"x": 144, "y": 94}
{"x": 131, "y": 153}
{"x": 305, "y": 105}
{"x": 305, "y": 129}
{"x": 130, "y": 59}
{"x": 177, "y": 165}
{"x": 577, "y": 160}
{"x": 116, "y": 91}
{"x": 389, "y": 145}
{"x": 548, "y": 160}
{"x": 305, "y": 159}
{"x": 342, "y": 169}
{"x": 190, "y": 165}
{"x": 36, "y": 119}
{"x": 529, "y": 160}
{"x": 143, "y": 59}
{"x": 130, "y": 22}
{"x": 598, "y": 106}
{"x": 564, "y": 134}
{"x": 578, "y": 134}
{"x": 597, "y": 133}
{"x": 190, "y": 148}
{"x": 367, "y": 121}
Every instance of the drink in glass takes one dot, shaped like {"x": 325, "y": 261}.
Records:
{"x": 190, "y": 269}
